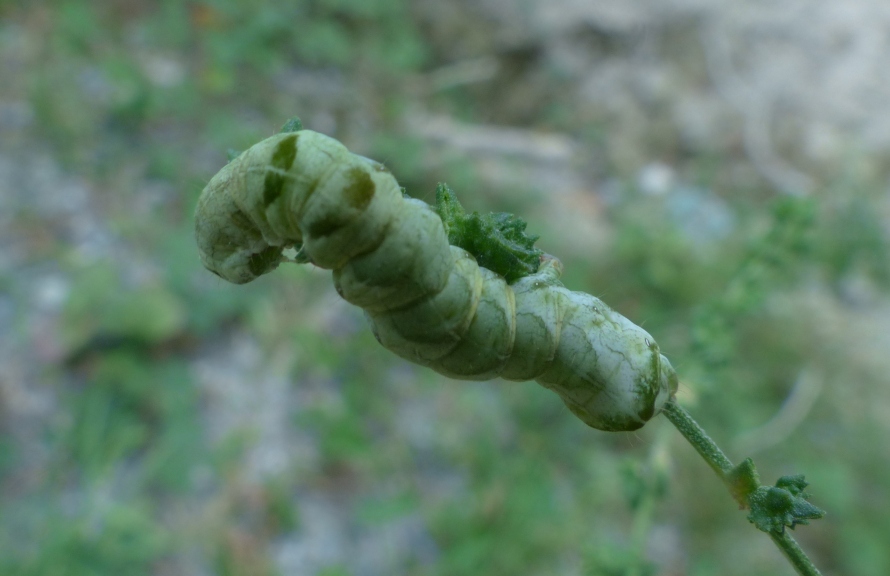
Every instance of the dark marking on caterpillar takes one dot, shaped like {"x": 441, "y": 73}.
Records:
{"x": 282, "y": 160}
{"x": 360, "y": 190}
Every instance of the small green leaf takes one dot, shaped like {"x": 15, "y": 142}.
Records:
{"x": 292, "y": 125}
{"x": 794, "y": 484}
{"x": 785, "y": 504}
{"x": 743, "y": 481}
{"x": 497, "y": 240}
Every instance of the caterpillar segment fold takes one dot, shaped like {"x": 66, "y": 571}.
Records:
{"x": 427, "y": 301}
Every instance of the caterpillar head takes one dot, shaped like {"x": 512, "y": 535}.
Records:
{"x": 229, "y": 243}
{"x": 296, "y": 188}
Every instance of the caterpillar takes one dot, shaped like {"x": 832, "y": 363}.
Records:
{"x": 428, "y": 301}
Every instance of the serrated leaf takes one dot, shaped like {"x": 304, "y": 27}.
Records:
{"x": 775, "y": 507}
{"x": 498, "y": 240}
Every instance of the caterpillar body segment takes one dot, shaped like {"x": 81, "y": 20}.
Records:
{"x": 428, "y": 302}
{"x": 267, "y": 197}
{"x": 413, "y": 261}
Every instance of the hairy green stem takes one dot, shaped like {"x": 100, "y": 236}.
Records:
{"x": 699, "y": 439}
{"x": 722, "y": 466}
{"x": 791, "y": 549}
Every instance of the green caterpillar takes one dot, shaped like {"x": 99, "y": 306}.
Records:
{"x": 427, "y": 301}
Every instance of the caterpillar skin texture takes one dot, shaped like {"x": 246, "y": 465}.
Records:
{"x": 428, "y": 302}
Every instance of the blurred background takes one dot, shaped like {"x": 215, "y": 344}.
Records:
{"x": 716, "y": 170}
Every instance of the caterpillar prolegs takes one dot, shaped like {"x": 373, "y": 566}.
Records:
{"x": 427, "y": 301}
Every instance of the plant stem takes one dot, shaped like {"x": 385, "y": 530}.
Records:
{"x": 699, "y": 439}
{"x": 791, "y": 549}
{"x": 722, "y": 466}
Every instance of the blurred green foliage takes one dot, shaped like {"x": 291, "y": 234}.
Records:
{"x": 143, "y": 99}
{"x": 122, "y": 539}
